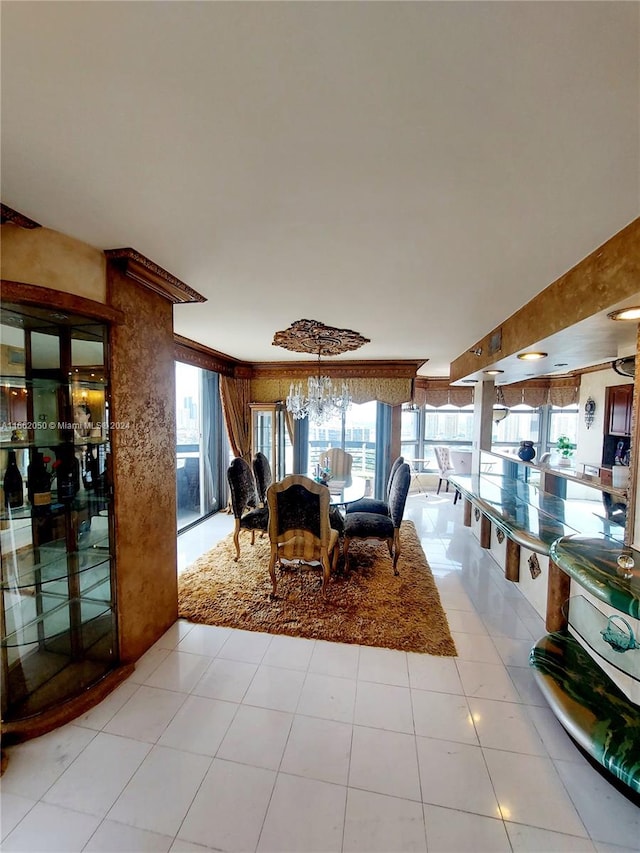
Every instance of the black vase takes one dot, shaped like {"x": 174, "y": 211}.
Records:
{"x": 526, "y": 451}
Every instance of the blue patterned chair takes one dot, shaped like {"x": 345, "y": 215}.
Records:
{"x": 244, "y": 502}
{"x": 373, "y": 525}
{"x": 299, "y": 527}
{"x": 373, "y": 505}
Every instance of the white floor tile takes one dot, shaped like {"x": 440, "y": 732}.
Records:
{"x": 174, "y": 635}
{"x": 474, "y": 647}
{"x": 327, "y": 696}
{"x": 257, "y": 736}
{"x": 98, "y": 717}
{"x": 199, "y": 726}
{"x": 148, "y": 663}
{"x": 428, "y": 672}
{"x": 487, "y": 681}
{"x": 556, "y": 740}
{"x": 289, "y": 652}
{"x": 466, "y": 622}
{"x": 51, "y": 829}
{"x": 247, "y": 646}
{"x": 451, "y": 831}
{"x": 110, "y": 762}
{"x": 303, "y": 814}
{"x": 36, "y": 764}
{"x": 228, "y": 811}
{"x": 276, "y": 688}
{"x": 179, "y": 671}
{"x": 454, "y": 775}
{"x": 505, "y": 725}
{"x": 384, "y": 762}
{"x": 530, "y": 791}
{"x": 375, "y": 823}
{"x": 336, "y": 659}
{"x": 180, "y": 846}
{"x": 443, "y": 715}
{"x": 112, "y": 837}
{"x": 608, "y": 817}
{"x": 385, "y": 666}
{"x": 383, "y": 706}
{"x": 147, "y": 714}
{"x": 226, "y": 679}
{"x": 531, "y": 839}
{"x": 318, "y": 749}
{"x": 513, "y": 652}
{"x": 159, "y": 795}
{"x": 12, "y": 809}
{"x": 204, "y": 640}
{"x": 528, "y": 691}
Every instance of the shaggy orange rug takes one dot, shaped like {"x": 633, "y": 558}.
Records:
{"x": 368, "y": 605}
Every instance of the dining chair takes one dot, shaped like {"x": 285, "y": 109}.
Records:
{"x": 461, "y": 464}
{"x": 443, "y": 461}
{"x": 299, "y": 526}
{"x": 373, "y": 504}
{"x": 374, "y": 525}
{"x": 263, "y": 476}
{"x": 339, "y": 463}
{"x": 244, "y": 502}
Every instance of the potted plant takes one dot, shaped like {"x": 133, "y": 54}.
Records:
{"x": 565, "y": 448}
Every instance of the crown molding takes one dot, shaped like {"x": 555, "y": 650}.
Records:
{"x": 147, "y": 273}
{"x": 8, "y": 214}
{"x": 402, "y": 369}
{"x": 202, "y": 356}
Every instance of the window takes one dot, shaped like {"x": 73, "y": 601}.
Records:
{"x": 355, "y": 432}
{"x": 422, "y": 428}
{"x": 521, "y": 424}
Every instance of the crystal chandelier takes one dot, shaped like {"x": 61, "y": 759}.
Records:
{"x": 321, "y": 403}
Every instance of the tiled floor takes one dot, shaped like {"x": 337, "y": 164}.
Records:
{"x": 227, "y": 740}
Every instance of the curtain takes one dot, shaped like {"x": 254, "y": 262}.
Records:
{"x": 235, "y": 397}
{"x": 210, "y": 402}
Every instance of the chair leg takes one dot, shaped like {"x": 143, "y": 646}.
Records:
{"x": 439, "y": 484}
{"x": 326, "y": 573}
{"x": 345, "y": 550}
{"x": 455, "y": 497}
{"x": 396, "y": 550}
{"x": 253, "y": 537}
{"x": 272, "y": 571}
{"x": 447, "y": 489}
{"x": 236, "y": 540}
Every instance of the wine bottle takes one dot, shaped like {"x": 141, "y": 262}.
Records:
{"x": 38, "y": 485}
{"x": 12, "y": 484}
{"x": 67, "y": 474}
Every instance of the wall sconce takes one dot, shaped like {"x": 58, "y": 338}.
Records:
{"x": 589, "y": 411}
{"x": 477, "y": 351}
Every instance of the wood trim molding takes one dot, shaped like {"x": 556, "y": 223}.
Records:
{"x": 147, "y": 273}
{"x": 403, "y": 369}
{"x": 34, "y": 294}
{"x": 8, "y": 214}
{"x": 191, "y": 352}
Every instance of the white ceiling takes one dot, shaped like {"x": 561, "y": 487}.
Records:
{"x": 413, "y": 171}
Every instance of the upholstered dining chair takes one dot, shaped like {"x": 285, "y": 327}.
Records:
{"x": 372, "y": 504}
{"x": 299, "y": 527}
{"x": 262, "y": 473}
{"x": 374, "y": 525}
{"x": 443, "y": 461}
{"x": 339, "y": 463}
{"x": 244, "y": 502}
{"x": 461, "y": 463}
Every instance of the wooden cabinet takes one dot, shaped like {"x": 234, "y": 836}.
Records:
{"x": 619, "y": 408}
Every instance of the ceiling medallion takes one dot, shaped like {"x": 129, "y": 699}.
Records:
{"x": 321, "y": 402}
{"x": 314, "y": 337}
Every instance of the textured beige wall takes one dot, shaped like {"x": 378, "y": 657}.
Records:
{"x": 50, "y": 259}
{"x": 144, "y": 460}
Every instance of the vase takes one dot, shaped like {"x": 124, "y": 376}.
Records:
{"x": 526, "y": 451}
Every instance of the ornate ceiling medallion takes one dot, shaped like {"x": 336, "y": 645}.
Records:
{"x": 311, "y": 336}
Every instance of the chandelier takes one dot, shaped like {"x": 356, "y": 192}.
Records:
{"x": 322, "y": 401}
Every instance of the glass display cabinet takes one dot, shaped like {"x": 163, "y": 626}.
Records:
{"x": 58, "y": 616}
{"x": 268, "y": 435}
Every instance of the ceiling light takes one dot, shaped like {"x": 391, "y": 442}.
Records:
{"x": 493, "y": 372}
{"x": 532, "y": 356}
{"x": 625, "y": 314}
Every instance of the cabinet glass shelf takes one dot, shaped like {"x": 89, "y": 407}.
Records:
{"x": 589, "y": 622}
{"x": 58, "y": 620}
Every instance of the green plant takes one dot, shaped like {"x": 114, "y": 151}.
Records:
{"x": 565, "y": 446}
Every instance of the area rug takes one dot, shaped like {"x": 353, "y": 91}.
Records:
{"x": 368, "y": 605}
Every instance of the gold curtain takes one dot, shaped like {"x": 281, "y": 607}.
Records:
{"x": 438, "y": 392}
{"x": 564, "y": 392}
{"x": 235, "y": 397}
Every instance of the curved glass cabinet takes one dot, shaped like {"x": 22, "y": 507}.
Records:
{"x": 58, "y": 598}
